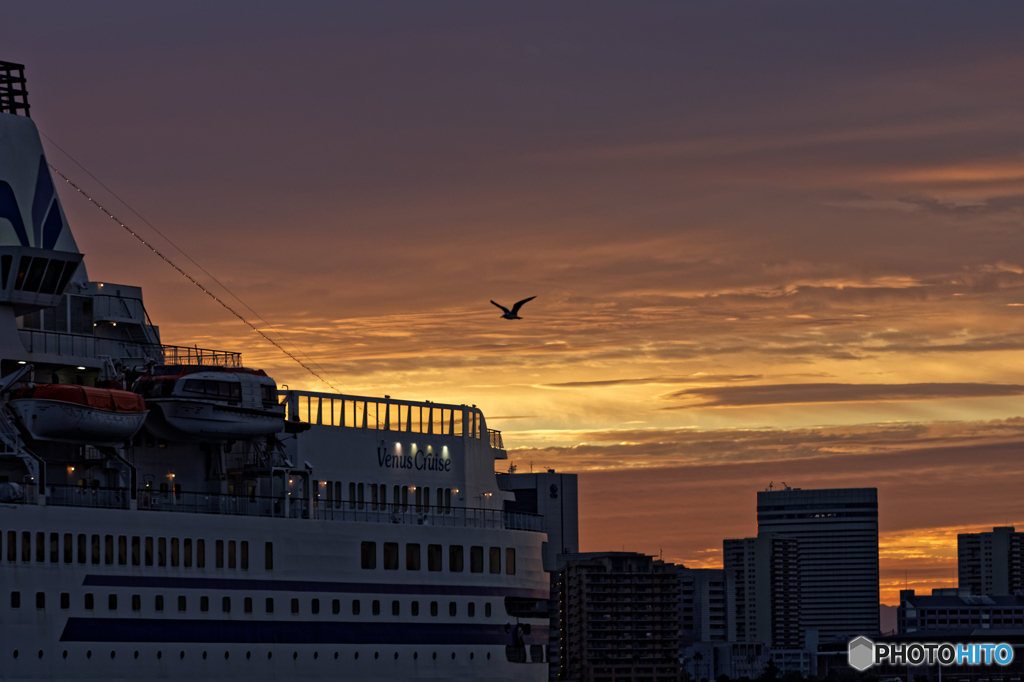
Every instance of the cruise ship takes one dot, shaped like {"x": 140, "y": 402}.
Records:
{"x": 168, "y": 512}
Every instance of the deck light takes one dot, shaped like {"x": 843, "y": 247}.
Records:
{"x": 21, "y": 362}
{"x": 81, "y": 368}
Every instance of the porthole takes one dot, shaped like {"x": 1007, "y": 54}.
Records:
{"x": 112, "y": 654}
{"x": 357, "y": 655}
{"x": 65, "y": 653}
{"x": 396, "y": 655}
{"x": 181, "y": 655}
{"x": 415, "y": 655}
{"x": 248, "y": 655}
{"x": 270, "y": 654}
{"x": 88, "y": 654}
{"x": 488, "y": 655}
{"x": 227, "y": 655}
{"x": 159, "y": 655}
{"x": 15, "y": 653}
{"x": 295, "y": 655}
{"x": 335, "y": 655}
{"x": 453, "y": 655}
{"x": 376, "y": 655}
{"x": 41, "y": 653}
{"x": 315, "y": 655}
{"x": 471, "y": 655}
{"x": 435, "y": 655}
{"x": 204, "y": 655}
{"x": 136, "y": 654}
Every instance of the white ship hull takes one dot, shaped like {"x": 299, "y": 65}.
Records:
{"x": 182, "y": 419}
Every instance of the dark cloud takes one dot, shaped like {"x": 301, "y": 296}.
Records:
{"x": 795, "y": 394}
{"x": 694, "y": 379}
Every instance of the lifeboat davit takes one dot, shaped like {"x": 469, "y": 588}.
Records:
{"x": 214, "y": 405}
{"x": 78, "y": 414}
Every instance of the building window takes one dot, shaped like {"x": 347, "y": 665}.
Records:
{"x": 368, "y": 554}
{"x": 476, "y": 559}
{"x": 510, "y": 560}
{"x": 433, "y": 557}
{"x": 390, "y": 556}
{"x": 375, "y": 607}
{"x": 455, "y": 558}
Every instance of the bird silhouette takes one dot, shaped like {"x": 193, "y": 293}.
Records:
{"x": 514, "y": 313}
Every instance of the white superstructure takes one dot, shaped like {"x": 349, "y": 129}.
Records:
{"x": 244, "y": 532}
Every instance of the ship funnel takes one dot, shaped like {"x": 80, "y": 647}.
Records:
{"x": 38, "y": 254}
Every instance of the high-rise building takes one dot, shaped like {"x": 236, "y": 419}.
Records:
{"x": 990, "y": 563}
{"x": 553, "y": 496}
{"x": 837, "y": 530}
{"x": 703, "y": 613}
{"x": 762, "y": 581}
{"x": 622, "y": 612}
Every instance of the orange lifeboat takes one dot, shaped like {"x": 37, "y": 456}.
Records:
{"x": 78, "y": 414}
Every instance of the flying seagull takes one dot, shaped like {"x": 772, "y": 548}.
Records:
{"x": 514, "y": 313}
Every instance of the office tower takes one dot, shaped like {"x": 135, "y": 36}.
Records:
{"x": 702, "y": 605}
{"x": 837, "y": 530}
{"x": 622, "y": 613}
{"x": 553, "y": 496}
{"x": 955, "y": 612}
{"x": 762, "y": 580}
{"x": 990, "y": 563}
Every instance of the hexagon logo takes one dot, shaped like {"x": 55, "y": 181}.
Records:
{"x": 861, "y": 653}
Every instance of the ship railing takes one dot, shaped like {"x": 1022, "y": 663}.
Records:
{"x": 495, "y": 438}
{"x": 206, "y": 357}
{"x": 411, "y": 514}
{"x": 215, "y": 503}
{"x": 84, "y": 496}
{"x": 58, "y": 343}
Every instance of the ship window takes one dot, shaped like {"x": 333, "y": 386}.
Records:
{"x": 355, "y": 607}
{"x": 471, "y": 609}
{"x": 112, "y": 602}
{"x": 412, "y": 557}
{"x": 200, "y": 553}
{"x": 368, "y": 554}
{"x": 375, "y": 607}
{"x": 65, "y": 600}
{"x": 89, "y": 602}
{"x": 194, "y": 386}
{"x": 40, "y": 547}
{"x": 329, "y": 494}
{"x": 158, "y": 603}
{"x": 231, "y": 554}
{"x": 182, "y": 603}
{"x": 395, "y": 497}
{"x": 295, "y": 607}
{"x": 414, "y": 608}
{"x": 390, "y": 556}
{"x": 270, "y": 605}
{"x": 452, "y": 609}
{"x": 447, "y": 500}
{"x": 188, "y": 552}
{"x": 5, "y": 268}
{"x": 476, "y": 559}
{"x": 26, "y": 546}
{"x": 12, "y": 545}
{"x": 15, "y": 600}
{"x": 487, "y": 610}
{"x": 269, "y": 556}
{"x": 54, "y": 548}
{"x": 219, "y": 553}
{"x": 336, "y": 606}
{"x": 510, "y": 560}
{"x": 405, "y": 497}
{"x": 95, "y": 549}
{"x": 314, "y": 606}
{"x": 244, "y": 555}
{"x": 35, "y": 274}
{"x": 204, "y": 604}
{"x": 433, "y": 557}
{"x": 383, "y": 496}
{"x": 395, "y": 607}
{"x": 359, "y": 495}
{"x": 426, "y": 498}
{"x": 351, "y": 495}
{"x": 81, "y": 548}
{"x": 373, "y": 496}
{"x": 495, "y": 557}
{"x": 149, "y": 551}
{"x": 136, "y": 602}
{"x": 175, "y": 553}
{"x": 225, "y": 604}
{"x": 108, "y": 554}
{"x": 136, "y": 551}
{"x": 337, "y": 494}
{"x": 433, "y": 608}
{"x": 455, "y": 558}
{"x": 23, "y": 264}
{"x": 419, "y": 498}
{"x": 440, "y": 498}
{"x": 161, "y": 551}
{"x": 247, "y": 605}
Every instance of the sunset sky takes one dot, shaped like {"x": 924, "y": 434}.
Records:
{"x": 769, "y": 241}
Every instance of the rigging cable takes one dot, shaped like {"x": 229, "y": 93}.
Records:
{"x": 183, "y": 253}
{"x": 192, "y": 279}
